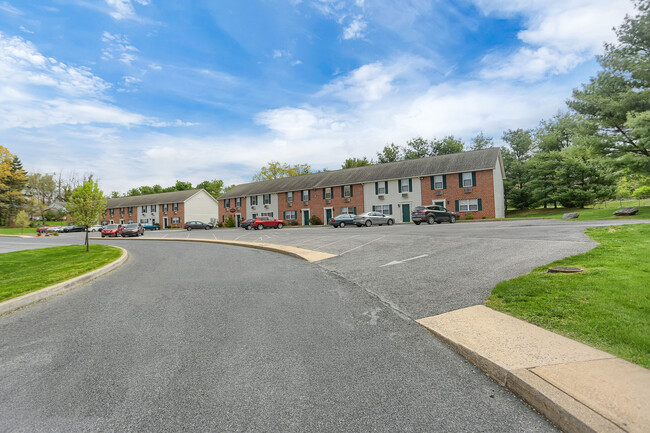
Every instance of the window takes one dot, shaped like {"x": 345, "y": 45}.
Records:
{"x": 254, "y": 200}
{"x": 347, "y": 191}
{"x": 165, "y": 207}
{"x": 130, "y": 221}
{"x": 383, "y": 208}
{"x": 306, "y": 195}
{"x": 348, "y": 210}
{"x": 268, "y": 214}
{"x": 112, "y": 211}
{"x": 144, "y": 208}
{"x": 144, "y": 220}
{"x": 381, "y": 188}
{"x": 290, "y": 197}
{"x": 130, "y": 210}
{"x": 468, "y": 205}
{"x": 175, "y": 207}
{"x": 226, "y": 203}
{"x": 404, "y": 186}
{"x": 266, "y": 198}
{"x": 290, "y": 215}
{"x": 468, "y": 180}
{"x": 238, "y": 202}
{"x": 121, "y": 211}
{"x": 176, "y": 220}
{"x": 153, "y": 208}
{"x": 438, "y": 182}
{"x": 327, "y": 193}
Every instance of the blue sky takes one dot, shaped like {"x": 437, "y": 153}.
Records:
{"x": 143, "y": 92}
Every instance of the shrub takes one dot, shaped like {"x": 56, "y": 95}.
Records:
{"x": 469, "y": 217}
{"x": 292, "y": 223}
{"x": 315, "y": 221}
{"x": 230, "y": 222}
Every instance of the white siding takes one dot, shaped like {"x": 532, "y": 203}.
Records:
{"x": 201, "y": 207}
{"x": 394, "y": 197}
{"x": 499, "y": 196}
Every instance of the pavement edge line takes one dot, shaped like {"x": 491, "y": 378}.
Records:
{"x": 11, "y": 305}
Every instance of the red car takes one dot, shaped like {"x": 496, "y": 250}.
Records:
{"x": 264, "y": 222}
{"x": 112, "y": 230}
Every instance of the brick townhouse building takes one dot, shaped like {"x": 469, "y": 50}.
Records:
{"x": 469, "y": 183}
{"x": 166, "y": 209}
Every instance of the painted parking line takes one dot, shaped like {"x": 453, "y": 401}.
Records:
{"x": 361, "y": 246}
{"x": 340, "y": 240}
{"x": 398, "y": 262}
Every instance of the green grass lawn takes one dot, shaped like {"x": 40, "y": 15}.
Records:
{"x": 585, "y": 214}
{"x": 28, "y": 230}
{"x": 25, "y": 271}
{"x": 607, "y": 306}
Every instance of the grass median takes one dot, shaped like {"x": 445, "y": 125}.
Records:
{"x": 586, "y": 214}
{"x": 29, "y": 270}
{"x": 607, "y": 306}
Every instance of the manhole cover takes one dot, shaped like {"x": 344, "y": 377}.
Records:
{"x": 564, "y": 270}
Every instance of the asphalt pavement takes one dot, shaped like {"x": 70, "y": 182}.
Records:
{"x": 200, "y": 337}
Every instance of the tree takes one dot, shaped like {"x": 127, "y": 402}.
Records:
{"x": 355, "y": 162}
{"x": 44, "y": 188}
{"x": 213, "y": 187}
{"x": 86, "y": 205}
{"x": 480, "y": 142}
{"x": 617, "y": 100}
{"x": 21, "y": 220}
{"x": 642, "y": 193}
{"x": 182, "y": 186}
{"x": 276, "y": 170}
{"x": 12, "y": 183}
{"x": 417, "y": 148}
{"x": 446, "y": 146}
{"x": 390, "y": 153}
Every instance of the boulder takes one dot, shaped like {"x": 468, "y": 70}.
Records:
{"x": 626, "y": 211}
{"x": 570, "y": 215}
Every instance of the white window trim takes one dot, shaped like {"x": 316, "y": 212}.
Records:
{"x": 467, "y": 177}
{"x": 436, "y": 183}
{"x": 469, "y": 203}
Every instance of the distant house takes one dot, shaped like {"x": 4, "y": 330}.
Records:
{"x": 469, "y": 183}
{"x": 166, "y": 209}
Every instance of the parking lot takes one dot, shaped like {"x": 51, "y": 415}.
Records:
{"x": 428, "y": 269}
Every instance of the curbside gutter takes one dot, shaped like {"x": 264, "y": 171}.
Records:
{"x": 13, "y": 304}
{"x": 301, "y": 253}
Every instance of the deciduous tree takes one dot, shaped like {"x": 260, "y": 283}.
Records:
{"x": 86, "y": 205}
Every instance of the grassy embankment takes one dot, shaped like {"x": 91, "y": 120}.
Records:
{"x": 26, "y": 271}
{"x": 601, "y": 211}
{"x": 607, "y": 306}
{"x": 28, "y": 230}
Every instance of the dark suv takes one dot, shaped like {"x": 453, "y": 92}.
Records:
{"x": 432, "y": 214}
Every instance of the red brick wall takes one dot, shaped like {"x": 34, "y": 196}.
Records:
{"x": 484, "y": 190}
{"x": 106, "y": 218}
{"x": 317, "y": 204}
{"x": 180, "y": 213}
{"x": 223, "y": 211}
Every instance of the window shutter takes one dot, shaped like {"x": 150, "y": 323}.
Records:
{"x": 354, "y": 210}
{"x": 432, "y": 182}
{"x": 473, "y": 178}
{"x": 342, "y": 191}
{"x": 323, "y": 193}
{"x": 386, "y": 187}
{"x": 390, "y": 209}
{"x": 308, "y": 195}
{"x": 480, "y": 206}
{"x": 460, "y": 180}
{"x": 457, "y": 207}
{"x": 399, "y": 185}
{"x": 410, "y": 185}
{"x": 373, "y": 207}
{"x": 376, "y": 188}
{"x": 444, "y": 181}
{"x": 352, "y": 191}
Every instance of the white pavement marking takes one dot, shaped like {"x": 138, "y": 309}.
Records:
{"x": 214, "y": 236}
{"x": 360, "y": 246}
{"x": 398, "y": 262}
{"x": 340, "y": 240}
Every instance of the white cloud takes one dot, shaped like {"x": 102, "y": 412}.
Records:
{"x": 123, "y": 9}
{"x": 6, "y": 7}
{"x": 558, "y": 35}
{"x": 355, "y": 29}
{"x": 118, "y": 47}
{"x": 25, "y": 30}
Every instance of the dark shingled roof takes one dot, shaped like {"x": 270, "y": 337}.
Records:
{"x": 147, "y": 199}
{"x": 445, "y": 164}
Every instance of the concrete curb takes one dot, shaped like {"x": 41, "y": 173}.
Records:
{"x": 301, "y": 253}
{"x": 576, "y": 387}
{"x": 11, "y": 305}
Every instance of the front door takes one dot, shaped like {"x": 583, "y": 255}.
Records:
{"x": 166, "y": 225}
{"x": 406, "y": 213}
{"x": 328, "y": 215}
{"x": 305, "y": 217}
{"x": 238, "y": 219}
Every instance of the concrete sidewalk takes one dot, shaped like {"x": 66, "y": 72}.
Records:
{"x": 578, "y": 388}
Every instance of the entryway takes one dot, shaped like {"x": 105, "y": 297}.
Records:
{"x": 305, "y": 217}
{"x": 406, "y": 212}
{"x": 328, "y": 215}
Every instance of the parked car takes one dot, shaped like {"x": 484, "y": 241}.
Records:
{"x": 69, "y": 229}
{"x": 265, "y": 222}
{"x": 369, "y": 218}
{"x": 189, "y": 225}
{"x": 95, "y": 228}
{"x": 44, "y": 229}
{"x": 132, "y": 230}
{"x": 432, "y": 214}
{"x": 151, "y": 226}
{"x": 342, "y": 220}
{"x": 113, "y": 230}
{"x": 247, "y": 224}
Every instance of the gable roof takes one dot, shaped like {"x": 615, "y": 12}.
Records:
{"x": 148, "y": 199}
{"x": 485, "y": 159}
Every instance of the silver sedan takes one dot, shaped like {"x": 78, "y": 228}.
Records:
{"x": 369, "y": 218}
